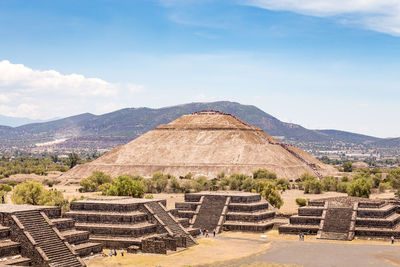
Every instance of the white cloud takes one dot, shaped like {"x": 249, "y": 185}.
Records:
{"x": 378, "y": 15}
{"x": 25, "y": 92}
{"x": 4, "y": 98}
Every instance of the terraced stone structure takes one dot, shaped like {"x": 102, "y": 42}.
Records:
{"x": 124, "y": 222}
{"x": 345, "y": 218}
{"x": 225, "y": 211}
{"x": 38, "y": 236}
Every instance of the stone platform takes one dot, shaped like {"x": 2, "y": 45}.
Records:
{"x": 345, "y": 218}
{"x": 224, "y": 211}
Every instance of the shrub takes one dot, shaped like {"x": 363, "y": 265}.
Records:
{"x": 272, "y": 196}
{"x": 360, "y": 187}
{"x": 91, "y": 183}
{"x": 264, "y": 174}
{"x": 104, "y": 188}
{"x": 342, "y": 187}
{"x": 283, "y": 184}
{"x": 384, "y": 186}
{"x": 149, "y": 196}
{"x": 329, "y": 183}
{"x": 312, "y": 186}
{"x": 344, "y": 179}
{"x": 347, "y": 166}
{"x": 34, "y": 193}
{"x": 174, "y": 185}
{"x": 187, "y": 186}
{"x": 126, "y": 186}
{"x": 301, "y": 202}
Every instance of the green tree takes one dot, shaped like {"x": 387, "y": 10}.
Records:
{"x": 272, "y": 196}
{"x": 34, "y": 193}
{"x": 73, "y": 160}
{"x": 174, "y": 185}
{"x": 347, "y": 166}
{"x": 329, "y": 183}
{"x": 126, "y": 186}
{"x": 360, "y": 187}
{"x": 92, "y": 183}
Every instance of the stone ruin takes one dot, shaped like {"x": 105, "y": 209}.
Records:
{"x": 345, "y": 218}
{"x": 225, "y": 211}
{"x": 42, "y": 236}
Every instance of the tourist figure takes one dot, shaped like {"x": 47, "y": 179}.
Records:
{"x": 206, "y": 233}
{"x": 115, "y": 252}
{"x": 299, "y": 236}
{"x": 201, "y": 232}
{"x": 214, "y": 232}
{"x": 111, "y": 253}
{"x": 392, "y": 239}
{"x": 303, "y": 237}
{"x": 3, "y": 200}
{"x": 122, "y": 252}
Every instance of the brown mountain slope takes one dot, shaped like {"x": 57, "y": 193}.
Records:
{"x": 204, "y": 143}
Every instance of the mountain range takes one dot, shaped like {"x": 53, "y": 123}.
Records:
{"x": 129, "y": 123}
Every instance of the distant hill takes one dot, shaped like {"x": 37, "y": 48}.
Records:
{"x": 15, "y": 121}
{"x": 129, "y": 123}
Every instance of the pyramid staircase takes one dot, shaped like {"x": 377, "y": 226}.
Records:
{"x": 171, "y": 225}
{"x": 10, "y": 251}
{"x": 53, "y": 247}
{"x": 360, "y": 218}
{"x": 229, "y": 211}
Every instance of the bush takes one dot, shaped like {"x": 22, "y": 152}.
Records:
{"x": 264, "y": 174}
{"x": 384, "y": 186}
{"x": 360, "y": 187}
{"x": 149, "y": 196}
{"x": 342, "y": 187}
{"x": 104, "y": 188}
{"x": 92, "y": 183}
{"x": 347, "y": 166}
{"x": 301, "y": 202}
{"x": 126, "y": 186}
{"x": 174, "y": 185}
{"x": 272, "y": 196}
{"x": 283, "y": 184}
{"x": 312, "y": 186}
{"x": 344, "y": 179}
{"x": 34, "y": 193}
{"x": 329, "y": 183}
{"x": 160, "y": 181}
{"x": 187, "y": 186}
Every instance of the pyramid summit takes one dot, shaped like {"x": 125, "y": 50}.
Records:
{"x": 204, "y": 143}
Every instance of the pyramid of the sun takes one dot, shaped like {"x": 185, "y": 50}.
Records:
{"x": 204, "y": 143}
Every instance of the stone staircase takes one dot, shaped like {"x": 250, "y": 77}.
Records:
{"x": 210, "y": 212}
{"x": 55, "y": 250}
{"x": 173, "y": 227}
{"x": 337, "y": 224}
{"x": 10, "y": 251}
{"x": 79, "y": 240}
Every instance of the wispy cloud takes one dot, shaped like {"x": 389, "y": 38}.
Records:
{"x": 378, "y": 15}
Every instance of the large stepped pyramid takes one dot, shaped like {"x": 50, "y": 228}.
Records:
{"x": 203, "y": 143}
{"x": 37, "y": 235}
{"x": 225, "y": 210}
{"x": 345, "y": 218}
{"x": 124, "y": 222}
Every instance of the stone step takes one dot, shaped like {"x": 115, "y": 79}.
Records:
{"x": 388, "y": 222}
{"x": 261, "y": 226}
{"x": 248, "y": 207}
{"x": 250, "y": 216}
{"x": 134, "y": 230}
{"x": 383, "y": 212}
{"x": 310, "y": 211}
{"x": 16, "y": 260}
{"x": 112, "y": 242}
{"x": 186, "y": 205}
{"x": 63, "y": 224}
{"x": 333, "y": 236}
{"x": 88, "y": 248}
{"x": 4, "y": 232}
{"x": 107, "y": 216}
{"x": 309, "y": 220}
{"x": 298, "y": 228}
{"x": 9, "y": 248}
{"x": 75, "y": 236}
{"x": 186, "y": 213}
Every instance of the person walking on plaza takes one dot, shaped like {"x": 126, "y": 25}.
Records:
{"x": 392, "y": 239}
{"x": 206, "y": 233}
{"x": 214, "y": 232}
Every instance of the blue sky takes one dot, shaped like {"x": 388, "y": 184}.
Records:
{"x": 322, "y": 64}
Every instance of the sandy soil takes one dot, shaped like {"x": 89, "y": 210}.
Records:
{"x": 20, "y": 178}
{"x": 226, "y": 246}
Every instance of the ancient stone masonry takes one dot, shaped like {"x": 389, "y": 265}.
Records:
{"x": 346, "y": 218}
{"x": 234, "y": 211}
{"x": 172, "y": 226}
{"x": 42, "y": 237}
